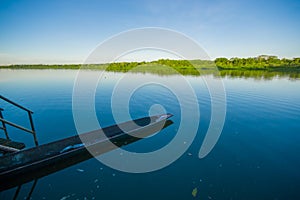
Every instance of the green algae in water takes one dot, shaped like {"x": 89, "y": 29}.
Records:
{"x": 194, "y": 192}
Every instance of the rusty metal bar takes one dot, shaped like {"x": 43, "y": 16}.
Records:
{"x": 15, "y": 104}
{"x": 33, "y": 130}
{"x": 16, "y": 126}
{"x": 4, "y": 122}
{"x": 3, "y": 125}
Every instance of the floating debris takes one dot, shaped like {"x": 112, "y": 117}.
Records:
{"x": 80, "y": 170}
{"x": 194, "y": 192}
{"x": 65, "y": 197}
{"x": 101, "y": 168}
{"x": 96, "y": 180}
{"x": 113, "y": 174}
{"x": 209, "y": 197}
{"x": 98, "y": 186}
{"x": 190, "y": 154}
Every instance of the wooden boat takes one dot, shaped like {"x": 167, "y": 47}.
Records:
{"x": 19, "y": 167}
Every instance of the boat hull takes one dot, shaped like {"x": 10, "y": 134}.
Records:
{"x": 26, "y": 165}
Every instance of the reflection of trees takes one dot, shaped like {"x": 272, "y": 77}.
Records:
{"x": 235, "y": 73}
{"x": 258, "y": 74}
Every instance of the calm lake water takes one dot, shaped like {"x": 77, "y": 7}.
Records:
{"x": 256, "y": 157}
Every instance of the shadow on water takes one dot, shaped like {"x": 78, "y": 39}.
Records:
{"x": 75, "y": 157}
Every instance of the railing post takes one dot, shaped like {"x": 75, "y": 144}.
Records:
{"x": 17, "y": 192}
{"x": 32, "y": 188}
{"x": 15, "y": 125}
{"x": 3, "y": 125}
{"x": 32, "y": 128}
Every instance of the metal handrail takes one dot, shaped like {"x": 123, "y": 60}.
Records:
{"x": 16, "y": 126}
{"x": 15, "y": 104}
{"x": 4, "y": 125}
{"x": 4, "y": 122}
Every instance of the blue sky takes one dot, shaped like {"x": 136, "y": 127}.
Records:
{"x": 66, "y": 31}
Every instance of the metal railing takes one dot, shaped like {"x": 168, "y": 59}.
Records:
{"x": 6, "y": 122}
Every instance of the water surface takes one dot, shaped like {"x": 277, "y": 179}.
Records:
{"x": 256, "y": 157}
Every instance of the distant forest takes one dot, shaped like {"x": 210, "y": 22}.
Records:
{"x": 259, "y": 62}
{"x": 262, "y": 62}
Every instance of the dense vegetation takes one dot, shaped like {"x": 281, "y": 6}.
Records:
{"x": 159, "y": 66}
{"x": 234, "y": 66}
{"x": 162, "y": 66}
{"x": 260, "y": 62}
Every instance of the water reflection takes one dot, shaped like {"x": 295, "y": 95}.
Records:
{"x": 80, "y": 156}
{"x": 237, "y": 73}
{"x": 257, "y": 156}
{"x": 259, "y": 74}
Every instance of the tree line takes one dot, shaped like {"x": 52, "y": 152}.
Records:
{"x": 262, "y": 61}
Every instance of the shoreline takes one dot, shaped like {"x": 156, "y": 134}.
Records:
{"x": 263, "y": 62}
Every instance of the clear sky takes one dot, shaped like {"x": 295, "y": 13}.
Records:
{"x": 66, "y": 31}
